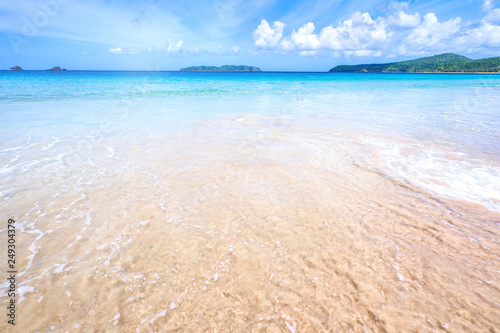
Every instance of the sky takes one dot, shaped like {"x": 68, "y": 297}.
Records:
{"x": 294, "y": 35}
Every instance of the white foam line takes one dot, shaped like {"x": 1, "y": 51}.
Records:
{"x": 116, "y": 247}
{"x": 64, "y": 209}
{"x": 22, "y": 290}
{"x": 50, "y": 145}
{"x": 158, "y": 315}
{"x": 467, "y": 178}
{"x": 32, "y": 248}
{"x": 20, "y": 168}
{"x": 78, "y": 237}
{"x": 15, "y": 158}
{"x": 111, "y": 150}
{"x": 38, "y": 277}
{"x": 3, "y": 287}
{"x": 23, "y": 147}
{"x": 292, "y": 327}
{"x": 116, "y": 317}
{"x": 60, "y": 268}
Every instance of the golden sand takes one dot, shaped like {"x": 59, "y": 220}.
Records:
{"x": 239, "y": 226}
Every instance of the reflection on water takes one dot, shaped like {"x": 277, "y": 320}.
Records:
{"x": 250, "y": 223}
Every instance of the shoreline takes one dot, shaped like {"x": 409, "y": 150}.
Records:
{"x": 418, "y": 72}
{"x": 291, "y": 72}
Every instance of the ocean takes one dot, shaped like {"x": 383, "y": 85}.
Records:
{"x": 184, "y": 201}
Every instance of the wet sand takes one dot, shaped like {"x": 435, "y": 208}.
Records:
{"x": 243, "y": 224}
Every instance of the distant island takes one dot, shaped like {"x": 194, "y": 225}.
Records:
{"x": 15, "y": 68}
{"x": 226, "y": 68}
{"x": 442, "y": 63}
{"x": 57, "y": 69}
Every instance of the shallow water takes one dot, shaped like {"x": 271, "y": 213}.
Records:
{"x": 267, "y": 201}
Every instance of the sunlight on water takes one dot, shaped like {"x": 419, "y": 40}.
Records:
{"x": 278, "y": 202}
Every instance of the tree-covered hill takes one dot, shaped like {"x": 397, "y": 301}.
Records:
{"x": 225, "y": 68}
{"x": 443, "y": 63}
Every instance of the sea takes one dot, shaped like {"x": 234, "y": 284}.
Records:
{"x": 249, "y": 202}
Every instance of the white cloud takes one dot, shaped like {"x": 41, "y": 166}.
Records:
{"x": 267, "y": 37}
{"x": 235, "y": 49}
{"x": 397, "y": 33}
{"x": 308, "y": 53}
{"x": 363, "y": 53}
{"x": 404, "y": 20}
{"x": 492, "y": 13}
{"x": 493, "y": 16}
{"x": 172, "y": 47}
{"x": 485, "y": 36}
{"x": 431, "y": 33}
{"x": 179, "y": 49}
{"x": 305, "y": 38}
{"x": 488, "y": 5}
{"x": 399, "y": 6}
{"x": 117, "y": 50}
{"x": 359, "y": 32}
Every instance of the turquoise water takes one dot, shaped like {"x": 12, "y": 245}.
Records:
{"x": 460, "y": 110}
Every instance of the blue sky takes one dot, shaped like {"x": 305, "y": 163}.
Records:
{"x": 273, "y": 35}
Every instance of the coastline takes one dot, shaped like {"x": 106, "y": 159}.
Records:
{"x": 208, "y": 71}
{"x": 417, "y": 72}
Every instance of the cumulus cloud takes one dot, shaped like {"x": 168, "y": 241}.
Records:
{"x": 360, "y": 31}
{"x": 492, "y": 13}
{"x": 304, "y": 38}
{"x": 485, "y": 36}
{"x": 404, "y": 20}
{"x": 172, "y": 47}
{"x": 400, "y": 32}
{"x": 267, "y": 37}
{"x": 432, "y": 34}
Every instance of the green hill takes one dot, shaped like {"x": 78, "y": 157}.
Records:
{"x": 443, "y": 63}
{"x": 225, "y": 68}
{"x": 57, "y": 68}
